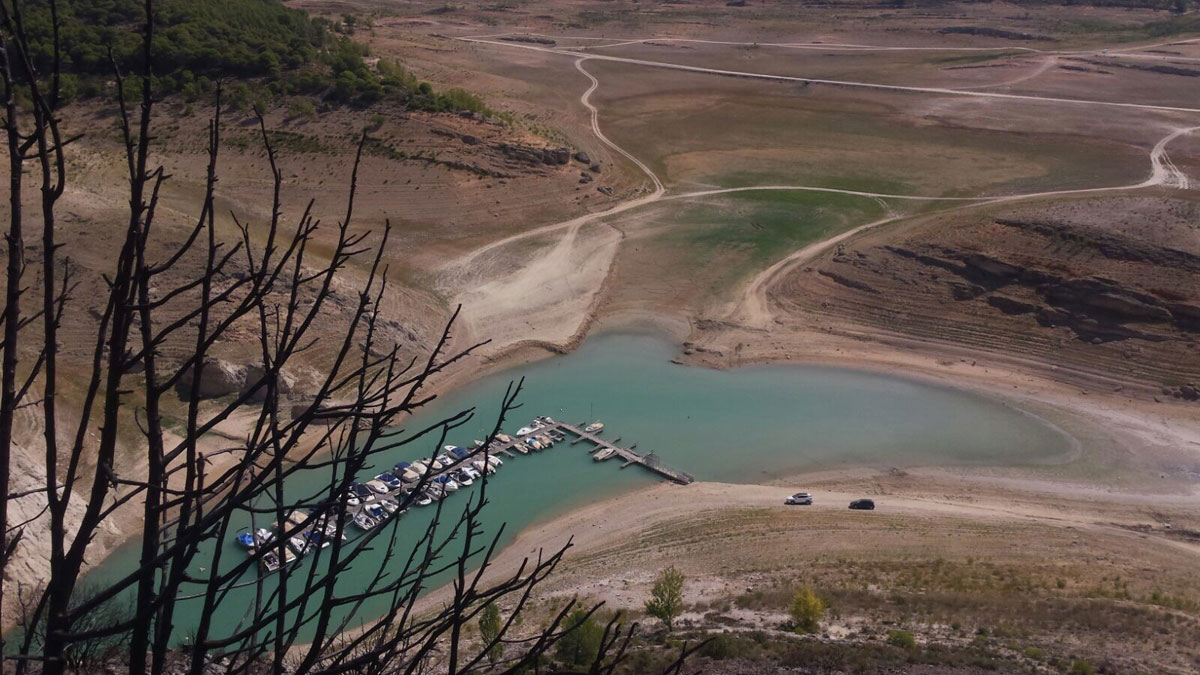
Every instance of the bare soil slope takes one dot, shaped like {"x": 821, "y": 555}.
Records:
{"x": 1107, "y": 286}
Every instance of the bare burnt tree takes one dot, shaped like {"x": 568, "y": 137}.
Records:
{"x": 299, "y": 618}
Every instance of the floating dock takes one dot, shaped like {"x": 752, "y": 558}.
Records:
{"x": 648, "y": 461}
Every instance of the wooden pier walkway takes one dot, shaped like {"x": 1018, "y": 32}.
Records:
{"x": 648, "y": 461}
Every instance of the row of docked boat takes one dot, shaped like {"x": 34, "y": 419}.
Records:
{"x": 313, "y": 530}
{"x": 540, "y": 434}
{"x": 420, "y": 482}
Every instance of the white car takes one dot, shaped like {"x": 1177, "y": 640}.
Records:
{"x": 799, "y": 499}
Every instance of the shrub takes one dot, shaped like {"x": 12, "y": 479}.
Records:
{"x": 302, "y": 107}
{"x": 721, "y": 646}
{"x": 489, "y": 629}
{"x": 666, "y": 598}
{"x": 1079, "y": 667}
{"x": 807, "y": 610}
{"x": 901, "y": 638}
{"x": 581, "y": 643}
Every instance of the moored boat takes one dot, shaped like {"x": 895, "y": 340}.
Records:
{"x": 270, "y": 561}
{"x": 299, "y": 544}
{"x": 594, "y": 427}
{"x": 603, "y": 454}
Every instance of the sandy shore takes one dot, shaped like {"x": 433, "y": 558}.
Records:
{"x": 622, "y": 527}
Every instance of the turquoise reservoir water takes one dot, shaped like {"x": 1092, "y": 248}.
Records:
{"x": 747, "y": 425}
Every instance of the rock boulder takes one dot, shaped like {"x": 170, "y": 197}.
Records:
{"x": 217, "y": 378}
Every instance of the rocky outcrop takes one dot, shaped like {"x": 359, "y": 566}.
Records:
{"x": 991, "y": 269}
{"x": 1154, "y": 68}
{"x": 1111, "y": 246}
{"x": 582, "y": 157}
{"x": 847, "y": 282}
{"x": 531, "y": 155}
{"x": 1097, "y": 295}
{"x": 962, "y": 291}
{"x": 1053, "y": 316}
{"x": 1097, "y": 309}
{"x": 1128, "y": 307}
{"x": 286, "y": 384}
{"x": 1187, "y": 316}
{"x": 948, "y": 265}
{"x": 988, "y": 31}
{"x": 1011, "y": 305}
{"x": 217, "y": 378}
{"x": 220, "y": 378}
{"x": 530, "y": 39}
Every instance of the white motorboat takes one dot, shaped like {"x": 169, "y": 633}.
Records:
{"x": 299, "y": 544}
{"x": 364, "y": 521}
{"x": 594, "y": 427}
{"x": 263, "y": 536}
{"x": 525, "y": 431}
{"x": 603, "y": 455}
{"x": 521, "y": 448}
{"x": 378, "y": 486}
{"x": 419, "y": 467}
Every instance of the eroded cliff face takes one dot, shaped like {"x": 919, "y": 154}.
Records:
{"x": 1078, "y": 290}
{"x": 30, "y": 564}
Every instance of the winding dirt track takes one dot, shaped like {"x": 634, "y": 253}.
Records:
{"x": 753, "y": 309}
{"x": 836, "y": 83}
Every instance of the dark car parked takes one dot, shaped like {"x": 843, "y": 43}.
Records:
{"x": 863, "y": 505}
